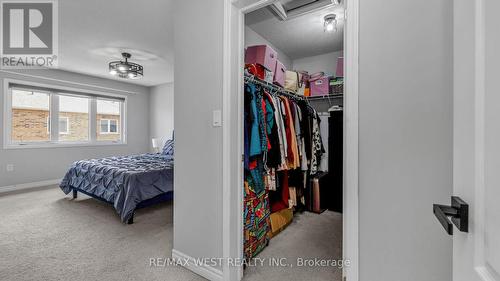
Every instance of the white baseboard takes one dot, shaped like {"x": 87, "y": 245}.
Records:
{"x": 29, "y": 185}
{"x": 208, "y": 272}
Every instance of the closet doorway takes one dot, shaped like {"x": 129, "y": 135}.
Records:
{"x": 297, "y": 132}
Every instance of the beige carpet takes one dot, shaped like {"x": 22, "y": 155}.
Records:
{"x": 45, "y": 235}
{"x": 309, "y": 236}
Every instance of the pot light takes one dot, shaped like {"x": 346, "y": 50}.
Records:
{"x": 330, "y": 24}
{"x": 126, "y": 69}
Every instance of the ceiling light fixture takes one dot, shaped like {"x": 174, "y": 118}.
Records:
{"x": 330, "y": 24}
{"x": 126, "y": 69}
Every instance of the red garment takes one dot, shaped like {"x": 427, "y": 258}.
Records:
{"x": 287, "y": 122}
{"x": 281, "y": 204}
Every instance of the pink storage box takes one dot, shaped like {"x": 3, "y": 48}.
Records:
{"x": 279, "y": 75}
{"x": 340, "y": 67}
{"x": 263, "y": 55}
{"x": 320, "y": 86}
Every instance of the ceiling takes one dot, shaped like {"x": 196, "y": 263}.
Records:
{"x": 301, "y": 36}
{"x": 94, "y": 32}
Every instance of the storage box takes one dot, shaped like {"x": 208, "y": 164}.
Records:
{"x": 260, "y": 72}
{"x": 336, "y": 86}
{"x": 320, "y": 86}
{"x": 279, "y": 221}
{"x": 279, "y": 75}
{"x": 263, "y": 55}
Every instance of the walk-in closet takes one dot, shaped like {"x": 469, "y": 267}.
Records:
{"x": 293, "y": 140}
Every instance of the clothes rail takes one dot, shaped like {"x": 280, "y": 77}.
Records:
{"x": 273, "y": 88}
{"x": 326, "y": 97}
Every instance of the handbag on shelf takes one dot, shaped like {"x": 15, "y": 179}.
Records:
{"x": 296, "y": 81}
{"x": 292, "y": 80}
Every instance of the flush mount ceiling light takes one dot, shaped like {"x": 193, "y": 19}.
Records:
{"x": 330, "y": 24}
{"x": 126, "y": 69}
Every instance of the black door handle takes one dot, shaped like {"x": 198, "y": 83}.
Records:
{"x": 459, "y": 213}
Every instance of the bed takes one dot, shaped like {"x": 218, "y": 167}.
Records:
{"x": 126, "y": 182}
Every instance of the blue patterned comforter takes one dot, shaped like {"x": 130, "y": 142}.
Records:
{"x": 124, "y": 181}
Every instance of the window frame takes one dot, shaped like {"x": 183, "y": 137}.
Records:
{"x": 54, "y": 92}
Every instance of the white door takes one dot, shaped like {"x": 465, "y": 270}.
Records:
{"x": 476, "y": 254}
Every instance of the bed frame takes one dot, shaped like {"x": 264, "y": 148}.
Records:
{"x": 169, "y": 196}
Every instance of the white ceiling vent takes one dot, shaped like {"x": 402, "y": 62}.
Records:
{"x": 288, "y": 9}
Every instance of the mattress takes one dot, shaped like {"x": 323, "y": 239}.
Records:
{"x": 124, "y": 181}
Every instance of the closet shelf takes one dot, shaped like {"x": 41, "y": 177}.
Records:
{"x": 273, "y": 87}
{"x": 326, "y": 97}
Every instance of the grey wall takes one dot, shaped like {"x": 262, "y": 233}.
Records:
{"x": 161, "y": 104}
{"x": 253, "y": 38}
{"x": 198, "y": 145}
{"x": 39, "y": 164}
{"x": 405, "y": 134}
{"x": 325, "y": 62}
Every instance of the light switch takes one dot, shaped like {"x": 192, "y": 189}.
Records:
{"x": 217, "y": 118}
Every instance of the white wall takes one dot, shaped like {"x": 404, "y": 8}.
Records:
{"x": 161, "y": 104}
{"x": 405, "y": 138}
{"x": 40, "y": 164}
{"x": 198, "y": 145}
{"x": 253, "y": 38}
{"x": 325, "y": 62}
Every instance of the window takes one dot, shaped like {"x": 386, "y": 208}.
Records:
{"x": 108, "y": 116}
{"x": 31, "y": 108}
{"x": 30, "y": 111}
{"x": 73, "y": 118}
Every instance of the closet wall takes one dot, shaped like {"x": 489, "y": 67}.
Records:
{"x": 253, "y": 38}
{"x": 324, "y": 62}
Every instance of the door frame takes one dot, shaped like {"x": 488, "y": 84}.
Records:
{"x": 482, "y": 270}
{"x": 232, "y": 135}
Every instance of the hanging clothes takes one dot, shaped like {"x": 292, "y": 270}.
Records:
{"x": 292, "y": 153}
{"x": 323, "y": 166}
{"x": 331, "y": 185}
{"x": 274, "y": 159}
{"x": 253, "y": 120}
{"x": 317, "y": 145}
{"x": 283, "y": 148}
